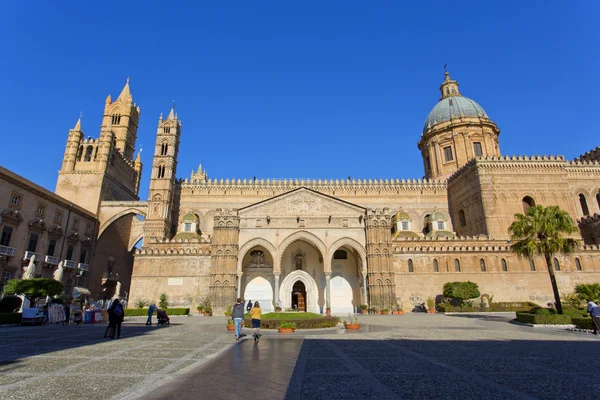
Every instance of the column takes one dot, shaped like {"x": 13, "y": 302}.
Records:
{"x": 239, "y": 285}
{"x": 327, "y": 290}
{"x": 276, "y": 291}
{"x": 364, "y": 277}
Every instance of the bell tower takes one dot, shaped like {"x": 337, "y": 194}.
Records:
{"x": 159, "y": 218}
{"x": 124, "y": 115}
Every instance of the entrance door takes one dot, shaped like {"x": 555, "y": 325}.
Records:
{"x": 299, "y": 296}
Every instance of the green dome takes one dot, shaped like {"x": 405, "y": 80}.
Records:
{"x": 191, "y": 217}
{"x": 402, "y": 216}
{"x": 437, "y": 216}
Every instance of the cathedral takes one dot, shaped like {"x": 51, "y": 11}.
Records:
{"x": 313, "y": 244}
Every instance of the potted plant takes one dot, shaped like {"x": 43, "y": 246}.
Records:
{"x": 363, "y": 308}
{"x": 377, "y": 311}
{"x": 230, "y": 325}
{"x": 430, "y": 305}
{"x": 228, "y": 311}
{"x": 286, "y": 327}
{"x": 278, "y": 309}
{"x": 200, "y": 308}
{"x": 351, "y": 322}
{"x": 385, "y": 311}
{"x": 328, "y": 311}
{"x": 207, "y": 307}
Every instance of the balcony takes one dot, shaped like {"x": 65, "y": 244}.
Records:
{"x": 69, "y": 264}
{"x": 7, "y": 251}
{"x": 83, "y": 267}
{"x": 109, "y": 279}
{"x": 51, "y": 260}
{"x": 29, "y": 254}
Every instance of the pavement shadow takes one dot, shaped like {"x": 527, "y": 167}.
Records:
{"x": 486, "y": 317}
{"x": 445, "y": 369}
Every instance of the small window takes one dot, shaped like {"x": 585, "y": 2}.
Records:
{"x": 462, "y": 218}
{"x": 447, "y": 91}
{"x": 116, "y": 119}
{"x": 83, "y": 256}
{"x": 6, "y": 235}
{"x": 578, "y": 265}
{"x": 75, "y": 225}
{"x": 7, "y": 276}
{"x": 482, "y": 265}
{"x": 453, "y": 91}
{"x": 448, "y": 153}
{"x": 40, "y": 211}
{"x": 411, "y": 267}
{"x": 504, "y": 265}
{"x": 167, "y": 129}
{"x": 532, "y": 265}
{"x": 583, "y": 202}
{"x": 70, "y": 249}
{"x": 33, "y": 241}
{"x": 440, "y": 225}
{"x": 340, "y": 255}
{"x": 88, "y": 153}
{"x": 457, "y": 265}
{"x": 527, "y": 202}
{"x": 436, "y": 266}
{"x": 57, "y": 217}
{"x": 51, "y": 247}
{"x": 164, "y": 149}
{"x": 16, "y": 200}
{"x": 556, "y": 265}
{"x": 477, "y": 149}
{"x": 404, "y": 225}
{"x": 188, "y": 227}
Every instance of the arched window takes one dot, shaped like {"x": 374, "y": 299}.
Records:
{"x": 482, "y": 265}
{"x": 447, "y": 91}
{"x": 116, "y": 119}
{"x": 88, "y": 153}
{"x": 504, "y": 265}
{"x": 426, "y": 224}
{"x": 79, "y": 153}
{"x": 436, "y": 267}
{"x": 583, "y": 202}
{"x": 528, "y": 202}
{"x": 340, "y": 255}
{"x": 411, "y": 267}
{"x": 167, "y": 129}
{"x": 598, "y": 199}
{"x": 578, "y": 264}
{"x": 457, "y": 265}
{"x": 532, "y": 265}
{"x": 164, "y": 149}
{"x": 462, "y": 218}
{"x": 556, "y": 264}
{"x": 453, "y": 91}
{"x": 161, "y": 171}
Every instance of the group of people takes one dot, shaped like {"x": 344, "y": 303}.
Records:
{"x": 116, "y": 314}
{"x": 237, "y": 314}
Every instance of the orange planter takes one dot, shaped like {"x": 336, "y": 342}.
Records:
{"x": 352, "y": 326}
{"x": 231, "y": 327}
{"x": 207, "y": 314}
{"x": 286, "y": 330}
{"x": 385, "y": 312}
{"x": 363, "y": 311}
{"x": 400, "y": 312}
{"x": 431, "y": 311}
{"x": 394, "y": 312}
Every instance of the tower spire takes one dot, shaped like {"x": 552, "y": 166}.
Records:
{"x": 449, "y": 87}
{"x": 172, "y": 112}
{"x": 78, "y": 124}
{"x": 126, "y": 92}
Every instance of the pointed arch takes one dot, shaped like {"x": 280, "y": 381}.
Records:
{"x": 258, "y": 242}
{"x": 306, "y": 236}
{"x": 353, "y": 244}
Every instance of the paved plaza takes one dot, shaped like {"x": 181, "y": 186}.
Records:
{"x": 413, "y": 356}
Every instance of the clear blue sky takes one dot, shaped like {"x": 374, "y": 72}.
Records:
{"x": 318, "y": 89}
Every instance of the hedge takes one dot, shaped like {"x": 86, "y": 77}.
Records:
{"x": 10, "y": 318}
{"x": 143, "y": 312}
{"x": 494, "y": 307}
{"x": 544, "y": 319}
{"x": 583, "y": 323}
{"x": 461, "y": 291}
{"x": 309, "y": 323}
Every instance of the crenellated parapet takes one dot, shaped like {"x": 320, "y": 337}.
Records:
{"x": 592, "y": 155}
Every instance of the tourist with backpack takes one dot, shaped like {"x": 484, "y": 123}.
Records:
{"x": 237, "y": 313}
{"x": 116, "y": 314}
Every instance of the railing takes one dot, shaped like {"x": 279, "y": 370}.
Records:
{"x": 69, "y": 264}
{"x": 29, "y": 254}
{"x": 83, "y": 267}
{"x": 51, "y": 260}
{"x": 7, "y": 251}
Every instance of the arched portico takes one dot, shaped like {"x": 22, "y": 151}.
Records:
{"x": 312, "y": 290}
{"x": 254, "y": 243}
{"x": 310, "y": 238}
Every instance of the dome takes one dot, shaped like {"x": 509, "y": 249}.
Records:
{"x": 437, "y": 216}
{"x": 457, "y": 106}
{"x": 191, "y": 217}
{"x": 402, "y": 216}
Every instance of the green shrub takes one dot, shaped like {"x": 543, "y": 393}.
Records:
{"x": 207, "y": 306}
{"x": 34, "y": 289}
{"x": 583, "y": 323}
{"x": 309, "y": 323}
{"x": 461, "y": 291}
{"x": 10, "y": 318}
{"x": 10, "y": 304}
{"x": 544, "y": 318}
{"x": 139, "y": 312}
{"x": 572, "y": 300}
{"x": 141, "y": 303}
{"x": 287, "y": 325}
{"x": 575, "y": 312}
{"x": 589, "y": 291}
{"x": 163, "y": 302}
{"x": 494, "y": 307}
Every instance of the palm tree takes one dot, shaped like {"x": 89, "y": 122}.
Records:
{"x": 541, "y": 231}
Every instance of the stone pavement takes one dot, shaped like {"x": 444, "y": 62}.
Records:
{"x": 413, "y": 356}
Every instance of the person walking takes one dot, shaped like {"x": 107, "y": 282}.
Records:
{"x": 237, "y": 313}
{"x": 594, "y": 312}
{"x": 249, "y": 306}
{"x": 255, "y": 314}
{"x": 115, "y": 318}
{"x": 151, "y": 311}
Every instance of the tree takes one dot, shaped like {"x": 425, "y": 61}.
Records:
{"x": 163, "y": 302}
{"x": 461, "y": 291}
{"x": 541, "y": 231}
{"x": 33, "y": 289}
{"x": 587, "y": 292}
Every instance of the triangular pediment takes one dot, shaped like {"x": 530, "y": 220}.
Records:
{"x": 302, "y": 202}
